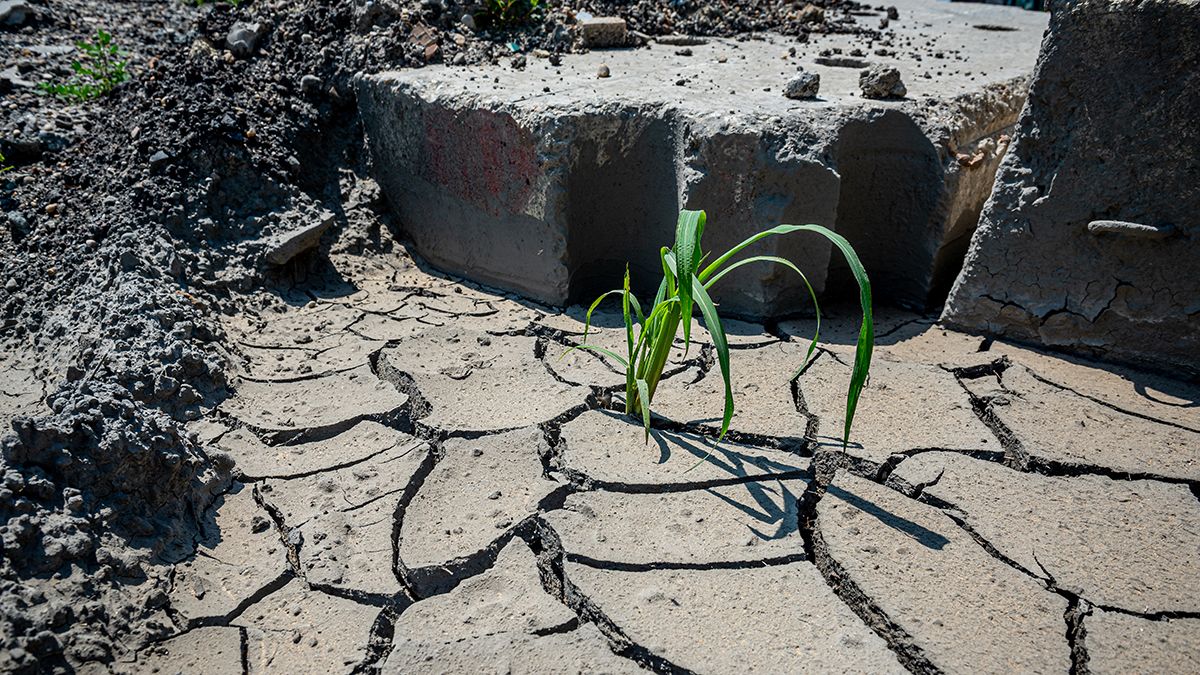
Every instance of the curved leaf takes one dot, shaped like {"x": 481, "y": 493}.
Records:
{"x": 866, "y": 333}
{"x": 812, "y": 346}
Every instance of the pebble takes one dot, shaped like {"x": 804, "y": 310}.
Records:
{"x": 243, "y": 38}
{"x": 880, "y": 81}
{"x": 310, "y": 84}
{"x": 158, "y": 159}
{"x": 603, "y": 71}
{"x": 804, "y": 85}
{"x": 468, "y": 22}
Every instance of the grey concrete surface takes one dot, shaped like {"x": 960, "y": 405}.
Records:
{"x": 1089, "y": 241}
{"x": 961, "y": 609}
{"x": 1091, "y": 534}
{"x": 432, "y": 543}
{"x": 548, "y": 180}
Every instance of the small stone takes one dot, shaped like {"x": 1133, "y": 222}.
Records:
{"x": 603, "y": 71}
{"x": 158, "y": 159}
{"x": 494, "y": 495}
{"x": 803, "y": 85}
{"x": 11, "y": 285}
{"x": 243, "y": 38}
{"x": 15, "y": 12}
{"x": 468, "y": 22}
{"x": 310, "y": 84}
{"x": 812, "y": 14}
{"x": 686, "y": 51}
{"x": 893, "y": 13}
{"x": 604, "y": 31}
{"x": 518, "y": 62}
{"x": 880, "y": 81}
{"x": 460, "y": 59}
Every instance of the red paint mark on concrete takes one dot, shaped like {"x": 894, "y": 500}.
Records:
{"x": 483, "y": 158}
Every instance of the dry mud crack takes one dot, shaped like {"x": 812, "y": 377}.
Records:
{"x": 419, "y": 495}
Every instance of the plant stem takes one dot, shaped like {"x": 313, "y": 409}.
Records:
{"x": 651, "y": 368}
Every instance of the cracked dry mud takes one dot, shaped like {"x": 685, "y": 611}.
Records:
{"x": 425, "y": 484}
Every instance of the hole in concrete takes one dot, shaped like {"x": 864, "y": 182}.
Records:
{"x": 841, "y": 62}
{"x": 995, "y": 27}
{"x": 623, "y": 204}
{"x": 891, "y": 183}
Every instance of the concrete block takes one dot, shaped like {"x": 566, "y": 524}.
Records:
{"x": 1089, "y": 240}
{"x": 548, "y": 181}
{"x": 604, "y": 31}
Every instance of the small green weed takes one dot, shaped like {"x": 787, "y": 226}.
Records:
{"x": 3, "y": 166}
{"x": 510, "y": 13}
{"x": 96, "y": 73}
{"x": 685, "y": 284}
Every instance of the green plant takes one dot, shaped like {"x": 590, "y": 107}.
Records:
{"x": 3, "y": 167}
{"x": 96, "y": 73}
{"x": 510, "y": 13}
{"x": 685, "y": 284}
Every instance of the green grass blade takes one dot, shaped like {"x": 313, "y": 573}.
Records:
{"x": 625, "y": 297}
{"x": 688, "y": 231}
{"x": 812, "y": 346}
{"x": 587, "y": 319}
{"x": 644, "y": 402}
{"x": 717, "y": 331}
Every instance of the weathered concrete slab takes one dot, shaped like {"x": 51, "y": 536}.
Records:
{"x": 1089, "y": 239}
{"x": 477, "y": 492}
{"x": 258, "y": 460}
{"x": 1124, "y": 544}
{"x": 499, "y": 622}
{"x": 547, "y": 180}
{"x": 1154, "y": 396}
{"x": 296, "y": 630}
{"x": 213, "y": 649}
{"x": 781, "y": 618}
{"x": 1058, "y": 426}
{"x": 323, "y": 406}
{"x": 475, "y": 381}
{"x": 904, "y": 407}
{"x": 335, "y": 354}
{"x": 345, "y": 518}
{"x": 964, "y": 610}
{"x": 734, "y": 523}
{"x": 1119, "y": 643}
{"x": 610, "y": 449}
{"x": 239, "y": 555}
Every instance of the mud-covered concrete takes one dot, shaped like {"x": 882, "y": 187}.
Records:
{"x": 1088, "y": 242}
{"x": 548, "y": 180}
{"x": 533, "y": 526}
